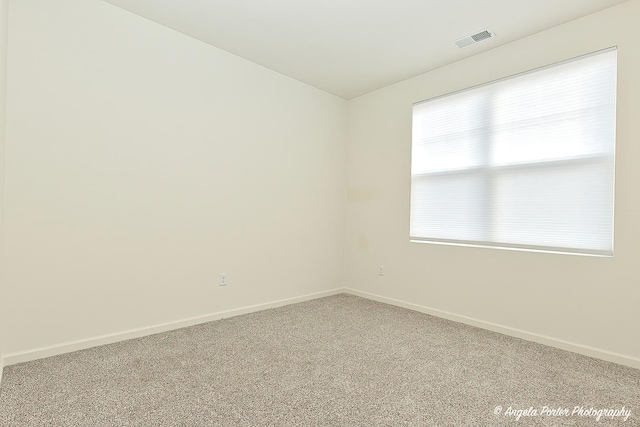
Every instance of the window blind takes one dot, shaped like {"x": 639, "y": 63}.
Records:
{"x": 526, "y": 162}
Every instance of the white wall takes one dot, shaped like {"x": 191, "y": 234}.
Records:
{"x": 4, "y": 6}
{"x": 141, "y": 163}
{"x": 588, "y": 301}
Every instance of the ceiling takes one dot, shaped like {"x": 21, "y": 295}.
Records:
{"x": 351, "y": 47}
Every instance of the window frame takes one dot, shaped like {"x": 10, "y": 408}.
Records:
{"x": 488, "y": 172}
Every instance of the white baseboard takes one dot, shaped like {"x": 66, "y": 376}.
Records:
{"x": 39, "y": 353}
{"x": 585, "y": 350}
{"x": 54, "y": 350}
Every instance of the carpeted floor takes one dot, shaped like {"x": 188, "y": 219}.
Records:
{"x": 336, "y": 361}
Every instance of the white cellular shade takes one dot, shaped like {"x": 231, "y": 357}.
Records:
{"x": 525, "y": 162}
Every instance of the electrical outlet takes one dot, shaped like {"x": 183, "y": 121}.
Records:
{"x": 380, "y": 270}
{"x": 224, "y": 279}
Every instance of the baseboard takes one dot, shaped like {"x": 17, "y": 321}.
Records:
{"x": 1, "y": 369}
{"x": 39, "y": 353}
{"x": 584, "y": 350}
{"x": 54, "y": 350}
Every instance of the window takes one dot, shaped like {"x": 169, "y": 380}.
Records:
{"x": 525, "y": 162}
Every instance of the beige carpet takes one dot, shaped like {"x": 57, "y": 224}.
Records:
{"x": 336, "y": 361}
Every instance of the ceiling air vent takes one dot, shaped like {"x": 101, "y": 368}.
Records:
{"x": 475, "y": 38}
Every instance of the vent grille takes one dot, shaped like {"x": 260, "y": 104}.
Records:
{"x": 475, "y": 38}
{"x": 467, "y": 41}
{"x": 483, "y": 35}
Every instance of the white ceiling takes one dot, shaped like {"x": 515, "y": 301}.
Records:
{"x": 351, "y": 47}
